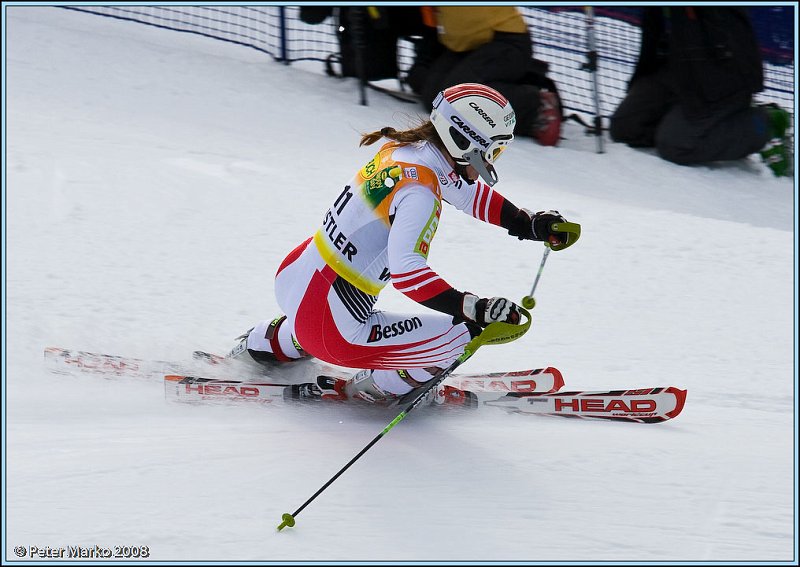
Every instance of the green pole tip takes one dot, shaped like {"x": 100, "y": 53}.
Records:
{"x": 528, "y": 302}
{"x": 288, "y": 520}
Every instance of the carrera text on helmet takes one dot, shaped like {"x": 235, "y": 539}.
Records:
{"x": 469, "y": 131}
{"x": 483, "y": 114}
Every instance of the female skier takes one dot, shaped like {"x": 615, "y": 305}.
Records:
{"x": 379, "y": 229}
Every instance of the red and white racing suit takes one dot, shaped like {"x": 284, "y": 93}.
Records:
{"x": 379, "y": 229}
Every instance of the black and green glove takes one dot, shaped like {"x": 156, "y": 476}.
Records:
{"x": 547, "y": 226}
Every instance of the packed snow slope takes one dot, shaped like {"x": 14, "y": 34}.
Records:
{"x": 155, "y": 181}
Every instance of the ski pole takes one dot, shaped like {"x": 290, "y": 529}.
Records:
{"x": 573, "y": 231}
{"x": 494, "y": 333}
{"x": 528, "y": 302}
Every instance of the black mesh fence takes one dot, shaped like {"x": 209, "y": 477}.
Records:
{"x": 560, "y": 37}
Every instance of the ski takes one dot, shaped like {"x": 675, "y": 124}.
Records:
{"x": 534, "y": 391}
{"x": 541, "y": 380}
{"x": 67, "y": 360}
{"x": 196, "y": 389}
{"x": 643, "y": 405}
{"x": 533, "y": 380}
{"x": 405, "y": 96}
{"x": 304, "y": 370}
{"x": 469, "y": 390}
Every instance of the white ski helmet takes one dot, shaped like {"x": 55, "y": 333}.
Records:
{"x": 476, "y": 123}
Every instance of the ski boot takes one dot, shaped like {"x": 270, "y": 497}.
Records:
{"x": 270, "y": 340}
{"x": 324, "y": 388}
{"x": 360, "y": 387}
{"x": 442, "y": 396}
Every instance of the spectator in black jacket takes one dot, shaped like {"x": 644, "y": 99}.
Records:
{"x": 690, "y": 95}
{"x": 380, "y": 28}
{"x": 490, "y": 45}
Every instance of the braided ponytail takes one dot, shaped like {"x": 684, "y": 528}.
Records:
{"x": 423, "y": 132}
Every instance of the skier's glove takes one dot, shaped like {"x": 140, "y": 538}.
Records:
{"x": 489, "y": 310}
{"x": 542, "y": 226}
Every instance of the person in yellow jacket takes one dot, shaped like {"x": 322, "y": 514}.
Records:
{"x": 467, "y": 28}
{"x": 489, "y": 45}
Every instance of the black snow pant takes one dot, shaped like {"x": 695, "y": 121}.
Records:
{"x": 651, "y": 116}
{"x": 501, "y": 64}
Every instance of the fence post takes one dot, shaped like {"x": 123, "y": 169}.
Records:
{"x": 284, "y": 34}
{"x": 358, "y": 25}
{"x": 591, "y": 66}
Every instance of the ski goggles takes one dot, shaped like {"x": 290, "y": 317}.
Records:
{"x": 491, "y": 153}
{"x": 497, "y": 147}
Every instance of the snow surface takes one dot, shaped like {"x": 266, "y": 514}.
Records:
{"x": 155, "y": 180}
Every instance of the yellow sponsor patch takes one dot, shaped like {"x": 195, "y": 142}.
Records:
{"x": 369, "y": 170}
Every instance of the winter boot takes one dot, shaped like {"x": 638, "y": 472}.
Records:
{"x": 776, "y": 154}
{"x": 547, "y": 127}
